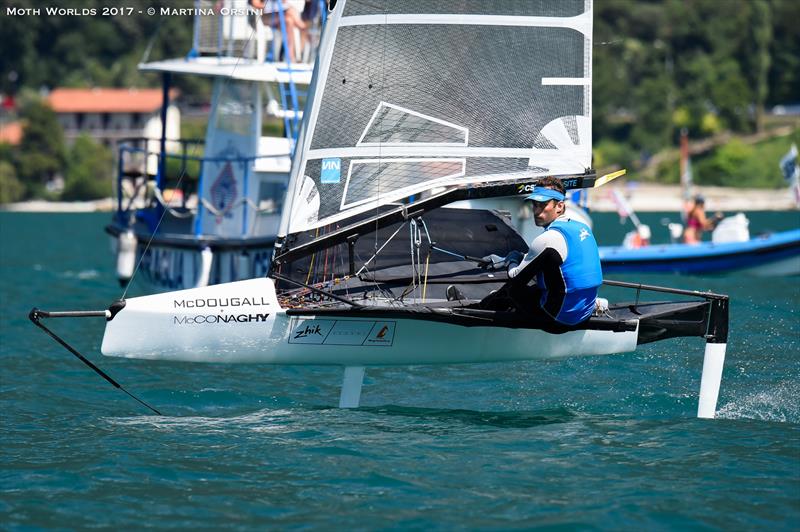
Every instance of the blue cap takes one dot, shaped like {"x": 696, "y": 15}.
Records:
{"x": 542, "y": 194}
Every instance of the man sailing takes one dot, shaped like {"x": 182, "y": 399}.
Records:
{"x": 563, "y": 260}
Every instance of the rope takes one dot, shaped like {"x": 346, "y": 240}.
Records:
{"x": 313, "y": 256}
{"x": 364, "y": 267}
{"x": 425, "y": 283}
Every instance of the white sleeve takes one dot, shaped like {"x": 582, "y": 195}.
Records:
{"x": 549, "y": 239}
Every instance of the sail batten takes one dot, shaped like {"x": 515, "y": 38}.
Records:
{"x": 412, "y": 95}
{"x": 581, "y": 23}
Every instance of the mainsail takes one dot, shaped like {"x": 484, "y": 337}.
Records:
{"x": 411, "y": 96}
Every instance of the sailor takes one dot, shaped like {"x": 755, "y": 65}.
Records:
{"x": 563, "y": 260}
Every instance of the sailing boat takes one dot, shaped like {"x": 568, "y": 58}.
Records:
{"x": 413, "y": 107}
{"x": 197, "y": 212}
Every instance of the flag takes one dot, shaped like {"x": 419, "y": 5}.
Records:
{"x": 623, "y": 208}
{"x": 791, "y": 172}
{"x": 789, "y": 164}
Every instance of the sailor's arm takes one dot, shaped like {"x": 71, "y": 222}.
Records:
{"x": 548, "y": 249}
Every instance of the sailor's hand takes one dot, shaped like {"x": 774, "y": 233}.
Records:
{"x": 513, "y": 259}
{"x": 493, "y": 262}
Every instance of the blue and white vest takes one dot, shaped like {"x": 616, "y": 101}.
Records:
{"x": 581, "y": 272}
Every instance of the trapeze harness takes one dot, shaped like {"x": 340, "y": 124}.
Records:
{"x": 568, "y": 287}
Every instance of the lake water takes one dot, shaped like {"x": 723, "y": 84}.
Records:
{"x": 600, "y": 442}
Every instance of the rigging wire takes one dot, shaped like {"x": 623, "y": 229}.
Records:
{"x": 379, "y": 250}
{"x": 36, "y": 316}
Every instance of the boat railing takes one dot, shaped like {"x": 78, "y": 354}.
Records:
{"x": 238, "y": 29}
{"x": 143, "y": 193}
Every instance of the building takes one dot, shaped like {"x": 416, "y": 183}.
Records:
{"x": 110, "y": 115}
{"x": 11, "y": 133}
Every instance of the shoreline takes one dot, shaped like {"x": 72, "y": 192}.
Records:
{"x": 643, "y": 197}
{"x": 651, "y": 197}
{"x": 101, "y": 205}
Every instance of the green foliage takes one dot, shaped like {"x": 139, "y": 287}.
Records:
{"x": 84, "y": 51}
{"x": 185, "y": 170}
{"x": 41, "y": 154}
{"x": 726, "y": 166}
{"x": 10, "y": 187}
{"x": 704, "y": 65}
{"x": 783, "y": 77}
{"x": 89, "y": 167}
{"x": 272, "y": 127}
{"x": 193, "y": 129}
{"x": 607, "y": 154}
{"x": 740, "y": 165}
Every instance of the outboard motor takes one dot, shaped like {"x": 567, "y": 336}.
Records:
{"x": 732, "y": 229}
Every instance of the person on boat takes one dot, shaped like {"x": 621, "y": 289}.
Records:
{"x": 295, "y": 25}
{"x": 564, "y": 261}
{"x": 697, "y": 222}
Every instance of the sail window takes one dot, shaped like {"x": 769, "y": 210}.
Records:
{"x": 369, "y": 179}
{"x": 397, "y": 126}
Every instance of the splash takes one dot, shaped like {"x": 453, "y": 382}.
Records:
{"x": 261, "y": 421}
{"x": 83, "y": 274}
{"x": 779, "y": 403}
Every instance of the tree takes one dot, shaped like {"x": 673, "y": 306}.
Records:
{"x": 760, "y": 59}
{"x": 10, "y": 187}
{"x": 41, "y": 153}
{"x": 784, "y": 73}
{"x": 89, "y": 167}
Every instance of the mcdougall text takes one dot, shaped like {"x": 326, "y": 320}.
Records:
{"x": 213, "y": 302}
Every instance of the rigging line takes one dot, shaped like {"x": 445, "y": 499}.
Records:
{"x": 317, "y": 290}
{"x": 180, "y": 178}
{"x": 425, "y": 283}
{"x": 325, "y": 266}
{"x": 411, "y": 237}
{"x": 470, "y": 258}
{"x": 427, "y": 257}
{"x": 379, "y": 250}
{"x": 313, "y": 256}
{"x": 390, "y": 297}
{"x": 36, "y": 316}
{"x": 417, "y": 244}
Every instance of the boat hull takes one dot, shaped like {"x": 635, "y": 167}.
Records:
{"x": 184, "y": 262}
{"x": 770, "y": 255}
{"x": 164, "y": 268}
{"x": 243, "y": 323}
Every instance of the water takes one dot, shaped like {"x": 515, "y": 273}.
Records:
{"x": 601, "y": 442}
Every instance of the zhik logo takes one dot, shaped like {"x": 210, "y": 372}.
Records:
{"x": 308, "y": 330}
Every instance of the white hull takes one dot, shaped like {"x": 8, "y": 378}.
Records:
{"x": 243, "y": 323}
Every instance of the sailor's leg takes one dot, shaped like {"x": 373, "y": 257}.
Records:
{"x": 351, "y": 387}
{"x": 710, "y": 380}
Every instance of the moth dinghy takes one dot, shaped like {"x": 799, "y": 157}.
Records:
{"x": 413, "y": 107}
